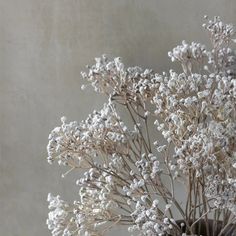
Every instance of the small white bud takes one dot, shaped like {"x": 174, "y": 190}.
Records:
{"x": 63, "y": 119}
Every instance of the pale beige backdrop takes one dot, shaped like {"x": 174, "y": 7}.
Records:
{"x": 44, "y": 44}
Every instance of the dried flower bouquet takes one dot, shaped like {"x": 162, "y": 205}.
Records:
{"x": 129, "y": 177}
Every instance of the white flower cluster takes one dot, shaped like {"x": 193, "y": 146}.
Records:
{"x": 124, "y": 84}
{"x": 60, "y": 220}
{"x": 187, "y": 53}
{"x": 223, "y": 192}
{"x": 96, "y": 206}
{"x": 148, "y": 220}
{"x": 225, "y": 62}
{"x": 129, "y": 177}
{"x": 220, "y": 32}
{"x": 103, "y": 131}
{"x": 221, "y": 57}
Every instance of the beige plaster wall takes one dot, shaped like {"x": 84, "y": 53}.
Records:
{"x": 44, "y": 44}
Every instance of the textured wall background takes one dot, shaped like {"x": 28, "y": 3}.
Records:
{"x": 44, "y": 44}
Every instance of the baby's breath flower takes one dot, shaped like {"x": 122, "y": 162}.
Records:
{"x": 129, "y": 173}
